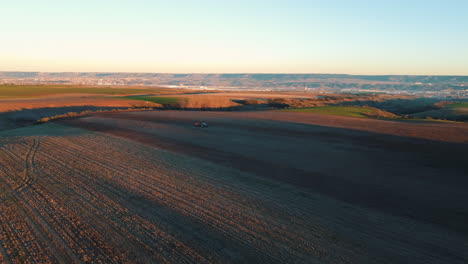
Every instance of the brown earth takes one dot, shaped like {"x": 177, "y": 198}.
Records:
{"x": 414, "y": 172}
{"x": 253, "y": 187}
{"x": 54, "y": 102}
{"x": 438, "y": 131}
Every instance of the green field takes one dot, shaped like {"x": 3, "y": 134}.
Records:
{"x": 424, "y": 120}
{"x": 18, "y": 91}
{"x": 458, "y": 105}
{"x": 352, "y": 111}
{"x": 155, "y": 99}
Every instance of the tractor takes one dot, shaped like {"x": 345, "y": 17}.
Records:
{"x": 200, "y": 124}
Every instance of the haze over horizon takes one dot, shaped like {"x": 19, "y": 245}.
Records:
{"x": 363, "y": 37}
{"x": 230, "y": 73}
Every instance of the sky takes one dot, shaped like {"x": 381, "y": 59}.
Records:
{"x": 242, "y": 36}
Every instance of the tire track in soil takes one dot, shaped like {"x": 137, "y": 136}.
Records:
{"x": 33, "y": 218}
{"x": 9, "y": 162}
{"x": 30, "y": 176}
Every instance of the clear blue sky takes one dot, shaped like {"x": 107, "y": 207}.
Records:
{"x": 303, "y": 36}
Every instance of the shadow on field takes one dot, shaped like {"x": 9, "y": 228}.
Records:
{"x": 24, "y": 117}
{"x": 185, "y": 229}
{"x": 415, "y": 178}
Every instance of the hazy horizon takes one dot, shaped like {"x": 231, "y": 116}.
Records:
{"x": 272, "y": 37}
{"x": 246, "y": 73}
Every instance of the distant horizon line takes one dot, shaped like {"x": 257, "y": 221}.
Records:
{"x": 245, "y": 73}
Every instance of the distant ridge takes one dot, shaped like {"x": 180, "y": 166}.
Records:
{"x": 430, "y": 85}
{"x": 252, "y": 76}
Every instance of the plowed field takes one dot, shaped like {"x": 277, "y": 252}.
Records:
{"x": 148, "y": 187}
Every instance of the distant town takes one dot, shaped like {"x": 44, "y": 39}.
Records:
{"x": 426, "y": 86}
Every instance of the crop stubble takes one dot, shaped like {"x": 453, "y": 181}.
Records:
{"x": 75, "y": 201}
{"x": 92, "y": 197}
